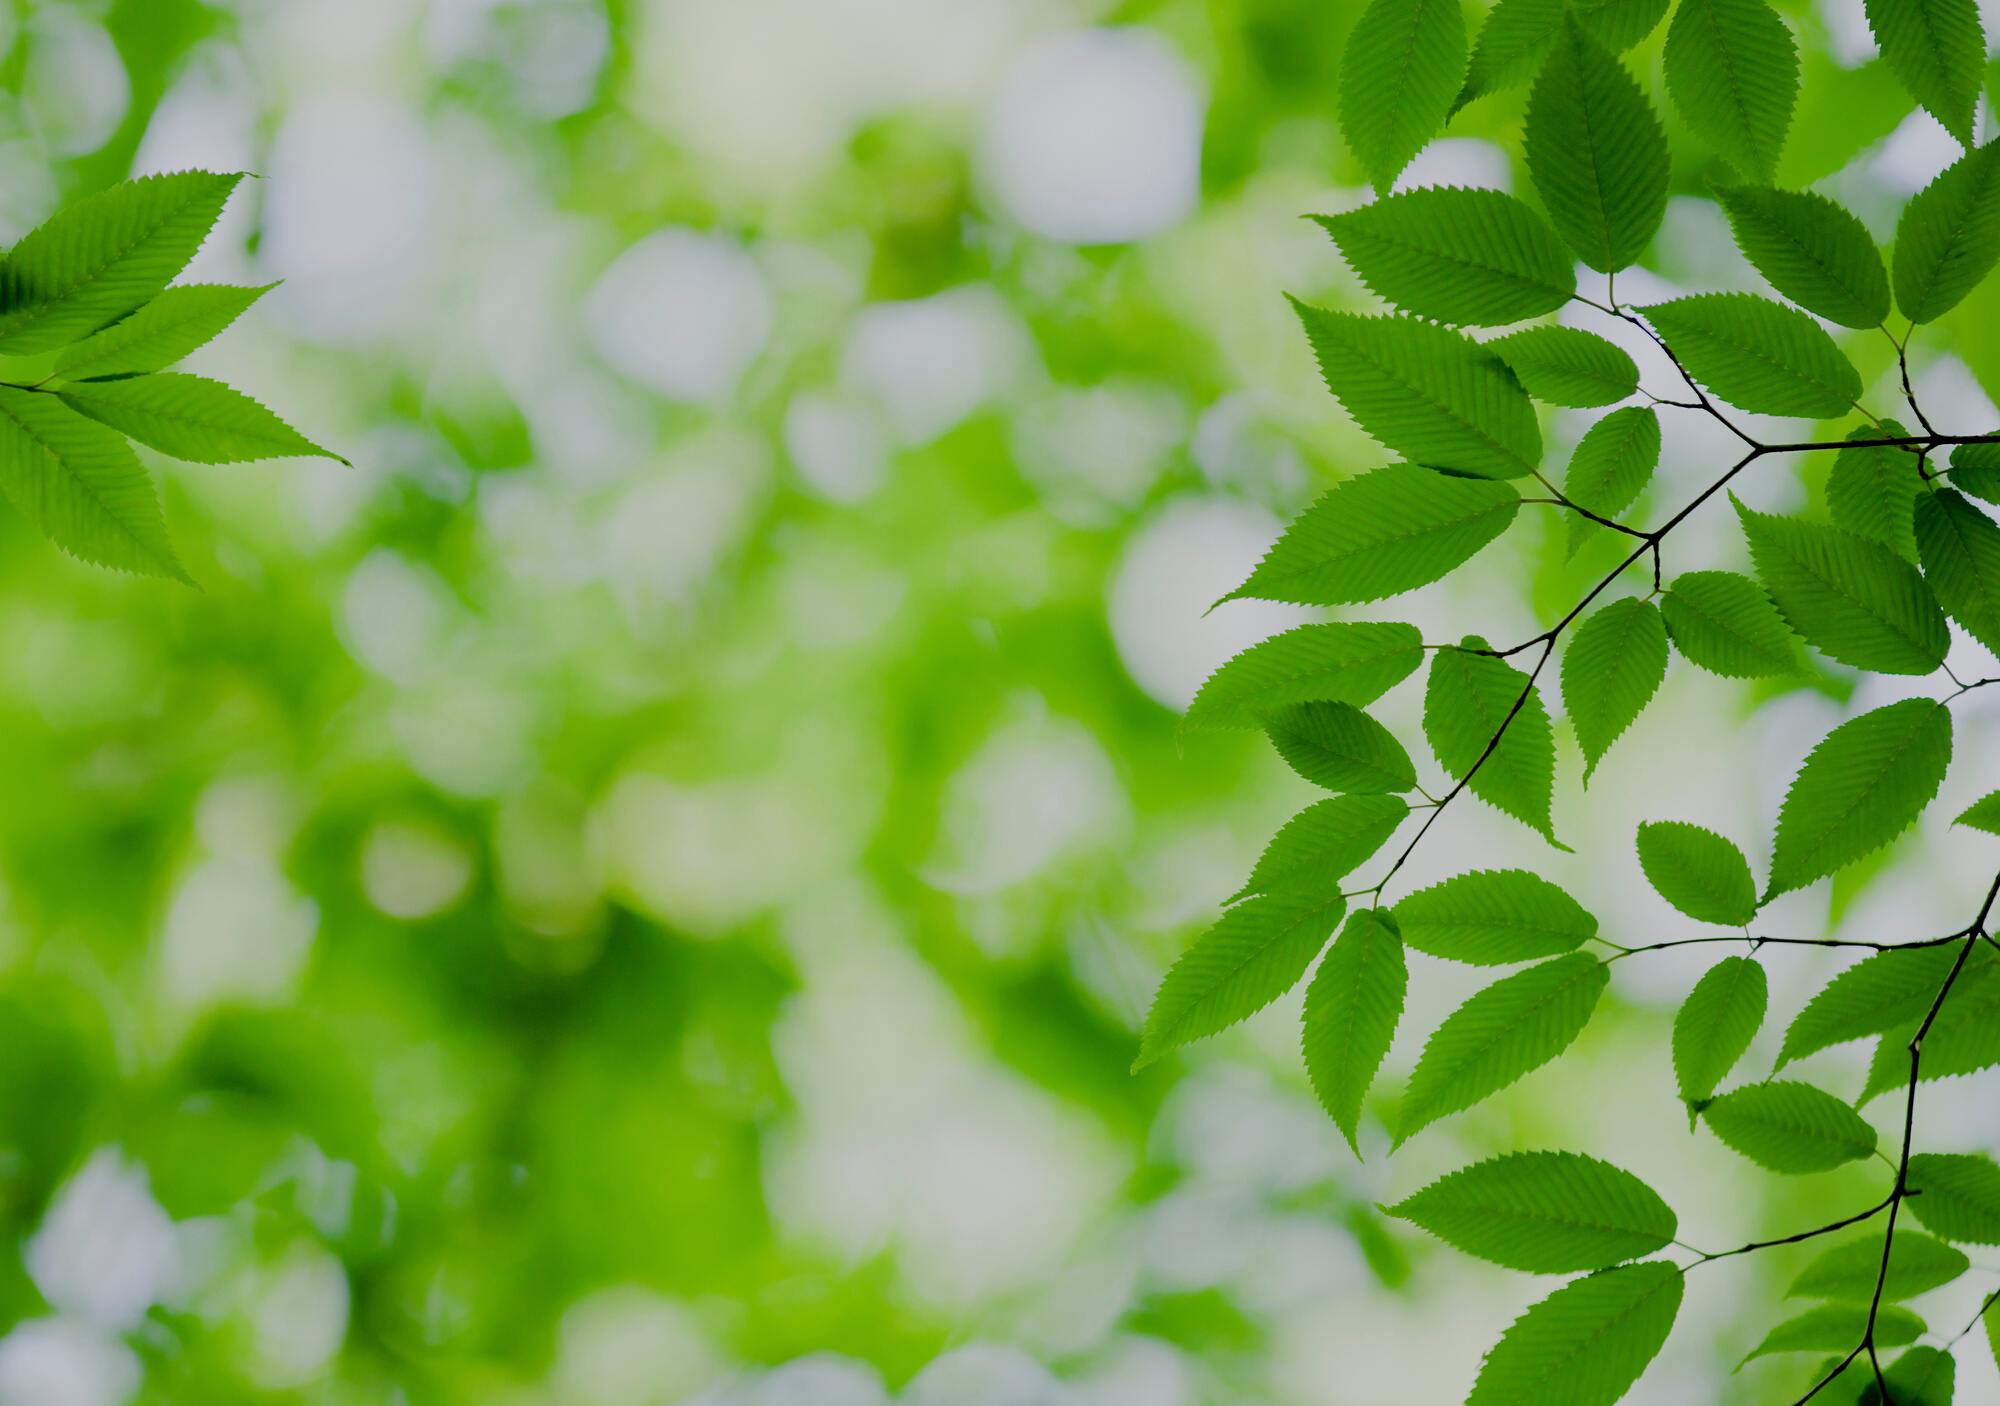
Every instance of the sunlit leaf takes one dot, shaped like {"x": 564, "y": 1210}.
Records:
{"x": 1475, "y": 257}
{"x": 1716, "y": 1023}
{"x": 1733, "y": 71}
{"x": 1544, "y": 1212}
{"x": 1789, "y": 1127}
{"x": 1863, "y": 785}
{"x": 1585, "y": 1344}
{"x": 1351, "y": 1012}
{"x": 1403, "y": 65}
{"x": 1698, "y": 871}
{"x": 1610, "y": 673}
{"x": 1813, "y": 251}
{"x": 1491, "y": 917}
{"x": 1514, "y": 1026}
{"x": 1485, "y": 722}
{"x": 1433, "y": 395}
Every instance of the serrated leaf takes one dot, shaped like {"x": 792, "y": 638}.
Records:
{"x": 1544, "y": 1212}
{"x": 1975, "y": 469}
{"x": 1596, "y": 151}
{"x": 1788, "y": 1127}
{"x": 1917, "y": 1264}
{"x": 1254, "y": 955}
{"x": 1838, "y": 1327}
{"x": 1923, "y": 1376}
{"x": 1491, "y": 917}
{"x": 1344, "y": 663}
{"x": 1875, "y": 994}
{"x": 1733, "y": 70}
{"x": 1813, "y": 251}
{"x": 1379, "y": 534}
{"x": 1613, "y": 463}
{"x": 1937, "y": 49}
{"x": 1716, "y": 1024}
{"x": 1698, "y": 871}
{"x": 1959, "y": 1196}
{"x": 103, "y": 256}
{"x": 1338, "y": 746}
{"x": 82, "y": 485}
{"x": 158, "y": 334}
{"x": 1568, "y": 366}
{"x": 1948, "y": 236}
{"x": 1960, "y": 550}
{"x": 191, "y": 418}
{"x": 1518, "y": 35}
{"x": 1585, "y": 1344}
{"x": 1479, "y": 258}
{"x": 1872, "y": 490}
{"x": 1514, "y": 1026}
{"x": 1480, "y": 712}
{"x": 1982, "y": 814}
{"x": 1965, "y": 1037}
{"x": 1433, "y": 395}
{"x": 1324, "y": 843}
{"x": 1403, "y": 66}
{"x": 1862, "y": 786}
{"x": 1610, "y": 673}
{"x": 1758, "y": 355}
{"x": 1852, "y": 598}
{"x": 1352, "y": 1008}
{"x": 1726, "y": 624}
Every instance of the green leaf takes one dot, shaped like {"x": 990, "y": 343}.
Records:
{"x": 1958, "y": 1196}
{"x": 1403, "y": 66}
{"x": 1254, "y": 955}
{"x": 1610, "y": 673}
{"x": 1965, "y": 1037}
{"x": 1852, "y": 598}
{"x": 1758, "y": 355}
{"x": 1917, "y": 1264}
{"x": 1568, "y": 366}
{"x": 1518, "y": 35}
{"x": 1379, "y": 534}
{"x": 191, "y": 418}
{"x": 158, "y": 334}
{"x": 1323, "y": 844}
{"x": 1975, "y": 469}
{"x": 82, "y": 485}
{"x": 1991, "y": 1317}
{"x": 1733, "y": 71}
{"x": 1937, "y": 49}
{"x": 1544, "y": 1212}
{"x": 1948, "y": 236}
{"x": 1338, "y": 746}
{"x": 1596, "y": 151}
{"x": 1468, "y": 700}
{"x": 1612, "y": 465}
{"x": 1699, "y": 872}
{"x": 1813, "y": 251}
{"x": 1872, "y": 491}
{"x": 1726, "y": 624}
{"x": 104, "y": 256}
{"x": 1476, "y": 257}
{"x": 1516, "y": 1025}
{"x": 1492, "y": 917}
{"x": 1837, "y": 1327}
{"x": 1716, "y": 1024}
{"x": 1960, "y": 550}
{"x": 1875, "y": 994}
{"x": 1788, "y": 1127}
{"x": 1923, "y": 1376}
{"x": 1352, "y": 1008}
{"x": 1433, "y": 395}
{"x": 1982, "y": 814}
{"x": 1347, "y": 663}
{"x": 1585, "y": 1344}
{"x": 1862, "y": 786}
